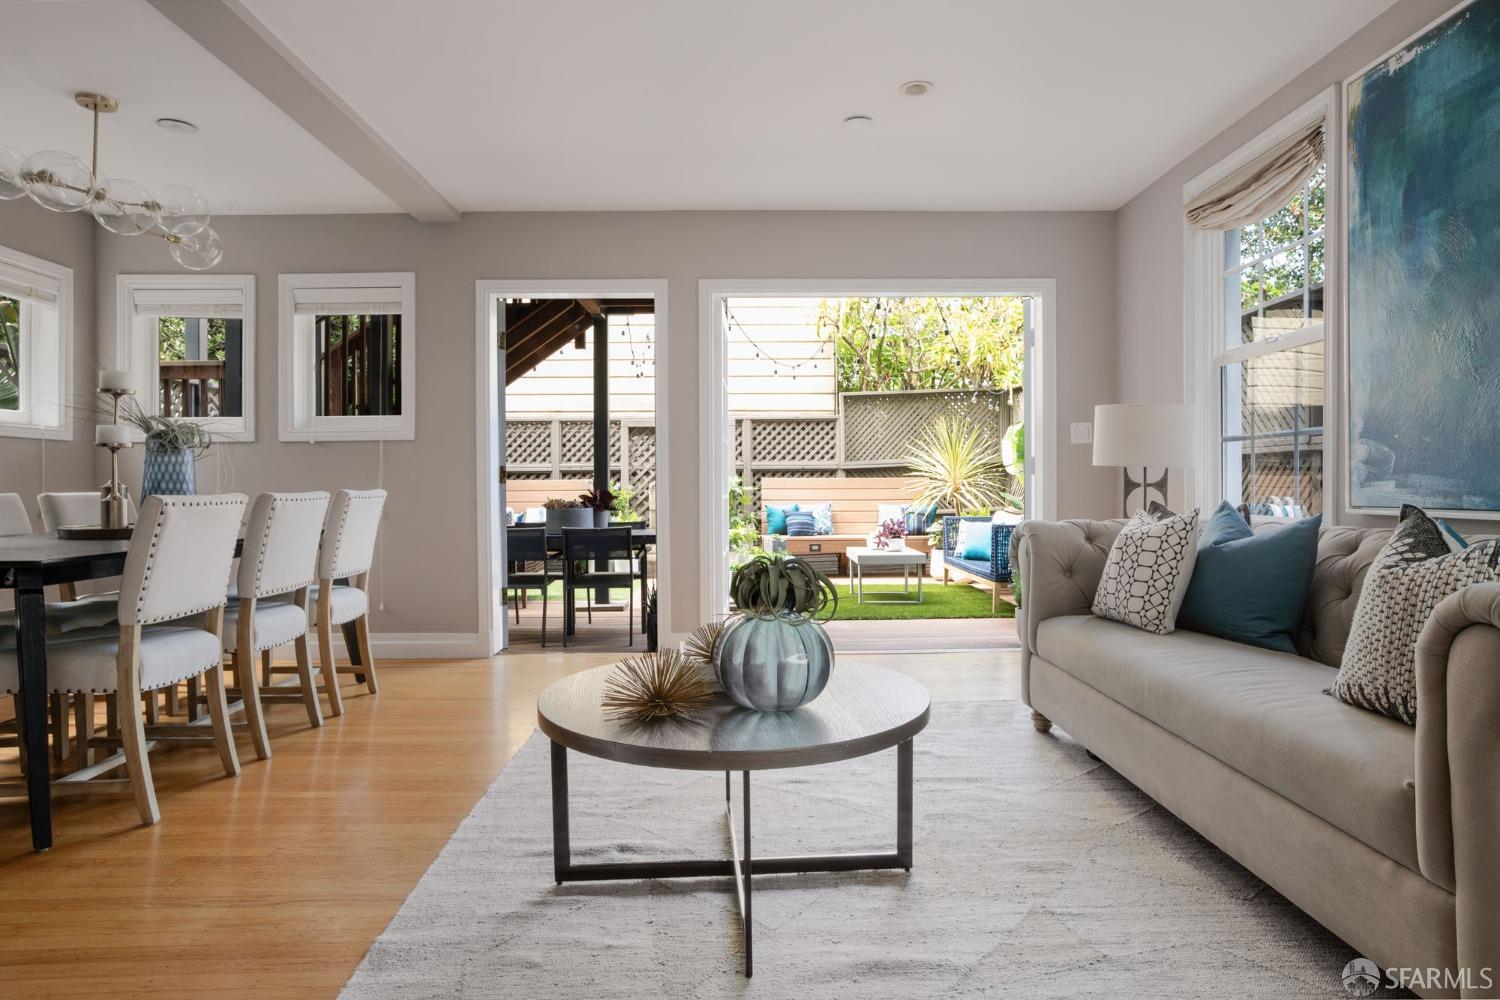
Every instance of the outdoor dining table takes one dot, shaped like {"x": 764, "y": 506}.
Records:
{"x": 29, "y": 563}
{"x": 640, "y": 538}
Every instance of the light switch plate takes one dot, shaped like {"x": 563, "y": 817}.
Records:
{"x": 1081, "y": 433}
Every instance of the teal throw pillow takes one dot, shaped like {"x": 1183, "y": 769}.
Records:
{"x": 1251, "y": 587}
{"x": 776, "y": 518}
{"x": 973, "y": 540}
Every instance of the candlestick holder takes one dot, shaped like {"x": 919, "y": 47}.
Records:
{"x": 114, "y": 496}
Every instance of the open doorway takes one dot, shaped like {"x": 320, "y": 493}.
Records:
{"x": 882, "y": 435}
{"x": 572, "y": 447}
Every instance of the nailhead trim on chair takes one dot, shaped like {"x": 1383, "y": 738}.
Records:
{"x": 151, "y": 560}
{"x": 260, "y": 556}
{"x": 338, "y": 538}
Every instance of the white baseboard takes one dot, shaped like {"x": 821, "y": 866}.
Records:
{"x": 419, "y": 646}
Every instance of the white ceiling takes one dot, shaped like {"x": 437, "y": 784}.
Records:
{"x": 680, "y": 104}
{"x": 247, "y": 155}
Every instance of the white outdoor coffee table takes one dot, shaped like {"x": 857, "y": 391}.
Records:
{"x": 907, "y": 559}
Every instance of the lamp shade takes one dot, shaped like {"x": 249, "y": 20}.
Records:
{"x": 1145, "y": 434}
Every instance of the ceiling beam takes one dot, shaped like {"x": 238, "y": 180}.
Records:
{"x": 240, "y": 41}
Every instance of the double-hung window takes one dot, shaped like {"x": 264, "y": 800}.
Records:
{"x": 348, "y": 371}
{"x": 36, "y": 336}
{"x": 1271, "y": 361}
{"x": 189, "y": 340}
{"x": 1256, "y": 267}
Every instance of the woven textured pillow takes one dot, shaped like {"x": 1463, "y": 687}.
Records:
{"x": 1406, "y": 581}
{"x": 801, "y": 524}
{"x": 1147, "y": 572}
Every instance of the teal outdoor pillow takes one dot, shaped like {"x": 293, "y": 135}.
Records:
{"x": 973, "y": 540}
{"x": 1251, "y": 587}
{"x": 776, "y": 518}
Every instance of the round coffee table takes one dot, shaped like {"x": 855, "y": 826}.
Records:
{"x": 864, "y": 710}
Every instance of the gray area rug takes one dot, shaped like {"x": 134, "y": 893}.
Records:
{"x": 1038, "y": 873}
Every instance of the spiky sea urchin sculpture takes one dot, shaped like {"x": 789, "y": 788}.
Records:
{"x": 704, "y": 641}
{"x": 654, "y": 686}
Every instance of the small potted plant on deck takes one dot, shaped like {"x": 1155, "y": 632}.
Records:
{"x": 567, "y": 514}
{"x": 600, "y": 501}
{"x": 889, "y": 534}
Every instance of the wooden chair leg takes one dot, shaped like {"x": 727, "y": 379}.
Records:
{"x": 329, "y": 667}
{"x": 309, "y": 688}
{"x": 995, "y": 598}
{"x": 83, "y": 721}
{"x": 267, "y": 676}
{"x": 15, "y": 703}
{"x": 366, "y": 656}
{"x": 244, "y": 672}
{"x": 218, "y": 711}
{"x": 152, "y": 710}
{"x": 58, "y": 703}
{"x": 194, "y": 697}
{"x": 174, "y": 700}
{"x": 112, "y": 715}
{"x": 133, "y": 728}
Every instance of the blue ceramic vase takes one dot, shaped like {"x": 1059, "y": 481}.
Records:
{"x": 774, "y": 664}
{"x": 169, "y": 472}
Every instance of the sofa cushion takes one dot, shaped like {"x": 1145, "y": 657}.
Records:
{"x": 1147, "y": 572}
{"x": 1261, "y": 712}
{"x": 1250, "y": 586}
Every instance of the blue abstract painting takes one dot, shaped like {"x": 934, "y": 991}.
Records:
{"x": 1423, "y": 175}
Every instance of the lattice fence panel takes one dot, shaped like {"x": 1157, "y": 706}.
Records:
{"x": 577, "y": 442}
{"x": 643, "y": 465}
{"x": 884, "y": 427}
{"x": 528, "y": 442}
{"x": 801, "y": 440}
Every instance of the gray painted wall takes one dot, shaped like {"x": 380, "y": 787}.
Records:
{"x": 1149, "y": 234}
{"x": 429, "y": 558}
{"x": 66, "y": 239}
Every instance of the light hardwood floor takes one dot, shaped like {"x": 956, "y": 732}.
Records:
{"x": 275, "y": 883}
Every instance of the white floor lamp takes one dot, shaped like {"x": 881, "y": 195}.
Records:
{"x": 1143, "y": 436}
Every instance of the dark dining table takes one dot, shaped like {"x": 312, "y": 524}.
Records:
{"x": 28, "y": 563}
{"x": 640, "y": 539}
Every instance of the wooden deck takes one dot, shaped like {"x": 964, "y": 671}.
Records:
{"x": 911, "y": 635}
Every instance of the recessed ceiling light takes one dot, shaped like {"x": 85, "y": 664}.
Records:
{"x": 177, "y": 125}
{"x": 858, "y": 120}
{"x": 916, "y": 88}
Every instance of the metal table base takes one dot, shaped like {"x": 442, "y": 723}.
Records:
{"x": 741, "y": 864}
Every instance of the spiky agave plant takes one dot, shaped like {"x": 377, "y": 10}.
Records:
{"x": 953, "y": 469}
{"x": 655, "y": 686}
{"x": 773, "y": 584}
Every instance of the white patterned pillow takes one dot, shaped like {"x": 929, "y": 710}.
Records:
{"x": 1406, "y": 581}
{"x": 1147, "y": 572}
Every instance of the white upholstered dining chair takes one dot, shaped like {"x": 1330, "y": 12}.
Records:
{"x": 177, "y": 565}
{"x": 347, "y": 552}
{"x": 278, "y": 561}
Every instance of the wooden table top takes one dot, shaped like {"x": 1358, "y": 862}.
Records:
{"x": 39, "y": 550}
{"x": 862, "y": 711}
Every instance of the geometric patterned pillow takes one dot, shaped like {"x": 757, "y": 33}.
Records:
{"x": 1406, "y": 581}
{"x": 1147, "y": 572}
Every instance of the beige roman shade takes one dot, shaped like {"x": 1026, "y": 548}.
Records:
{"x": 1261, "y": 186}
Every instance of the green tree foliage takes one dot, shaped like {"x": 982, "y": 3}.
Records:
{"x": 10, "y": 354}
{"x": 889, "y": 344}
{"x": 172, "y": 338}
{"x": 1289, "y": 266}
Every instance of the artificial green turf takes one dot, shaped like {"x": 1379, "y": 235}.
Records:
{"x": 956, "y": 600}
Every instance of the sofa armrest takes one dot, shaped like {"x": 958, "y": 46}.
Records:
{"x": 1458, "y": 752}
{"x": 1060, "y": 564}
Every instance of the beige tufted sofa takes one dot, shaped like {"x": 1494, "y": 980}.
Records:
{"x": 1386, "y": 834}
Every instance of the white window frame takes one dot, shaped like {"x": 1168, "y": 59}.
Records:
{"x": 1205, "y": 353}
{"x": 138, "y": 346}
{"x": 46, "y": 351}
{"x": 294, "y": 351}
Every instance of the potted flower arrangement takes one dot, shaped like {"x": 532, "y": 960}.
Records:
{"x": 774, "y": 655}
{"x": 567, "y": 514}
{"x": 890, "y": 534}
{"x": 173, "y": 444}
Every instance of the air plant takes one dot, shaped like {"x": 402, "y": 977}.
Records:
{"x": 656, "y": 686}
{"x": 776, "y": 585}
{"x": 164, "y": 433}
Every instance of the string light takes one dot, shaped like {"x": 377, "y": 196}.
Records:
{"x": 732, "y": 322}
